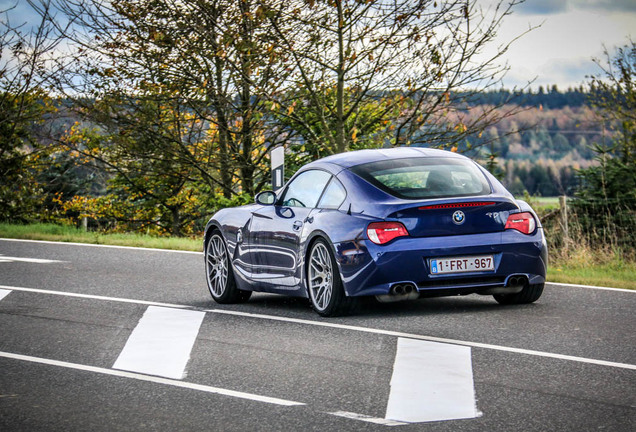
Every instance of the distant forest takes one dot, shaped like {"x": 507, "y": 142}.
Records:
{"x": 548, "y": 98}
{"x": 540, "y": 148}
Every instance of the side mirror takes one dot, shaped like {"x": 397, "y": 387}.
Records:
{"x": 265, "y": 198}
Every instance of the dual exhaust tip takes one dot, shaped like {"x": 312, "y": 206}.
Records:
{"x": 400, "y": 292}
{"x": 403, "y": 289}
{"x": 517, "y": 281}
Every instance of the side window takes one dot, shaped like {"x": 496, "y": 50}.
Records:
{"x": 305, "y": 189}
{"x": 333, "y": 196}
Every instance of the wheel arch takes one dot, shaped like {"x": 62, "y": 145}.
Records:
{"x": 311, "y": 240}
{"x": 211, "y": 226}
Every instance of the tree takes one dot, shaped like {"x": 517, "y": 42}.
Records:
{"x": 386, "y": 72}
{"x": 614, "y": 93}
{"x": 199, "y": 91}
{"x": 145, "y": 161}
{"x": 23, "y": 102}
{"x": 213, "y": 58}
{"x": 174, "y": 92}
{"x": 606, "y": 197}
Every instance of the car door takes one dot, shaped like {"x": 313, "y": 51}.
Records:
{"x": 276, "y": 230}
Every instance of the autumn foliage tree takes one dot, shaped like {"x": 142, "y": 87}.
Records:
{"x": 212, "y": 57}
{"x": 170, "y": 85}
{"x": 183, "y": 100}
{"x": 386, "y": 73}
{"x": 23, "y": 104}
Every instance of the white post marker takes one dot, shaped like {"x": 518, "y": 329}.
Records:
{"x": 431, "y": 382}
{"x": 277, "y": 157}
{"x": 161, "y": 343}
{"x": 4, "y": 293}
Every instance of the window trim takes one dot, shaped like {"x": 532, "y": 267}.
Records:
{"x": 332, "y": 179}
{"x": 279, "y": 201}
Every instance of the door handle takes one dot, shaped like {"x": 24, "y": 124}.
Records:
{"x": 297, "y": 225}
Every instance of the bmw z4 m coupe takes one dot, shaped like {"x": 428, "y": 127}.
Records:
{"x": 396, "y": 224}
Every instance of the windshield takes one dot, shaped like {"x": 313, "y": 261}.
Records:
{"x": 421, "y": 178}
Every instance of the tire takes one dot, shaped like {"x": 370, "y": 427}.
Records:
{"x": 326, "y": 292}
{"x": 529, "y": 294}
{"x": 219, "y": 274}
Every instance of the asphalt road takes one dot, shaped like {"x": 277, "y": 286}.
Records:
{"x": 565, "y": 363}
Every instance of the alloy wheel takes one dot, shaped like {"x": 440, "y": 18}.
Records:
{"x": 320, "y": 276}
{"x": 217, "y": 268}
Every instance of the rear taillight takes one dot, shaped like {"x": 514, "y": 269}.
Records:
{"x": 384, "y": 232}
{"x": 522, "y": 222}
{"x": 457, "y": 205}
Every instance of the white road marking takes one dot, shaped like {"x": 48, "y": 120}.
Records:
{"x": 153, "y": 379}
{"x": 431, "y": 382}
{"x": 28, "y": 260}
{"x": 161, "y": 343}
{"x": 429, "y": 338}
{"x": 4, "y": 293}
{"x": 102, "y": 246}
{"x": 343, "y": 327}
{"x": 97, "y": 297}
{"x": 592, "y": 287}
{"x": 367, "y": 418}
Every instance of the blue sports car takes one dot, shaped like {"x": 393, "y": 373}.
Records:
{"x": 396, "y": 224}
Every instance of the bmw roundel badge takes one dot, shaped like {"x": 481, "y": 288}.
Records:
{"x": 459, "y": 217}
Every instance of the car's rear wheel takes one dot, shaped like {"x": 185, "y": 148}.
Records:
{"x": 219, "y": 274}
{"x": 326, "y": 292}
{"x": 529, "y": 294}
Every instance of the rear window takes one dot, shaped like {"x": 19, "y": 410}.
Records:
{"x": 421, "y": 178}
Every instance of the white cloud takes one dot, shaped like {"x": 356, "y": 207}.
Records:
{"x": 560, "y": 51}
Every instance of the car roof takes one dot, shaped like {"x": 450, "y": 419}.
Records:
{"x": 353, "y": 158}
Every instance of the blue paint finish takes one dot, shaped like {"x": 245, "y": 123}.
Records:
{"x": 269, "y": 244}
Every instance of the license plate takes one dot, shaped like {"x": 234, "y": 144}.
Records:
{"x": 462, "y": 264}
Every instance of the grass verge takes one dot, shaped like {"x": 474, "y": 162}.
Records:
{"x": 598, "y": 275}
{"x": 60, "y": 233}
{"x": 607, "y": 268}
{"x": 579, "y": 268}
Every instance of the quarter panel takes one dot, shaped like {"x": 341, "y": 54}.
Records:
{"x": 234, "y": 225}
{"x": 345, "y": 233}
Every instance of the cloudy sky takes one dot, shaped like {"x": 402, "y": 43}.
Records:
{"x": 559, "y": 52}
{"x": 571, "y": 33}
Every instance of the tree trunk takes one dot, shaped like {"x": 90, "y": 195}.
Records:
{"x": 246, "y": 168}
{"x": 176, "y": 222}
{"x": 340, "y": 94}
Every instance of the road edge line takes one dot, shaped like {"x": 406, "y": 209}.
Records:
{"x": 101, "y": 245}
{"x": 153, "y": 379}
{"x": 593, "y": 287}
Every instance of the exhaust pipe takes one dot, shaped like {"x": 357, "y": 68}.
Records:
{"x": 514, "y": 284}
{"x": 400, "y": 292}
{"x": 397, "y": 290}
{"x": 517, "y": 281}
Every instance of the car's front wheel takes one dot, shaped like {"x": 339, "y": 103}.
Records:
{"x": 326, "y": 291}
{"x": 219, "y": 274}
{"x": 529, "y": 294}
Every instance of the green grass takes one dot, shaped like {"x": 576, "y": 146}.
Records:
{"x": 61, "y": 233}
{"x": 541, "y": 204}
{"x": 546, "y": 202}
{"x": 615, "y": 274}
{"x": 580, "y": 269}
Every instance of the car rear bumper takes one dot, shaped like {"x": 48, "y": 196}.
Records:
{"x": 369, "y": 269}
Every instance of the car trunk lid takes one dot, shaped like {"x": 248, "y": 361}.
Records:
{"x": 454, "y": 217}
